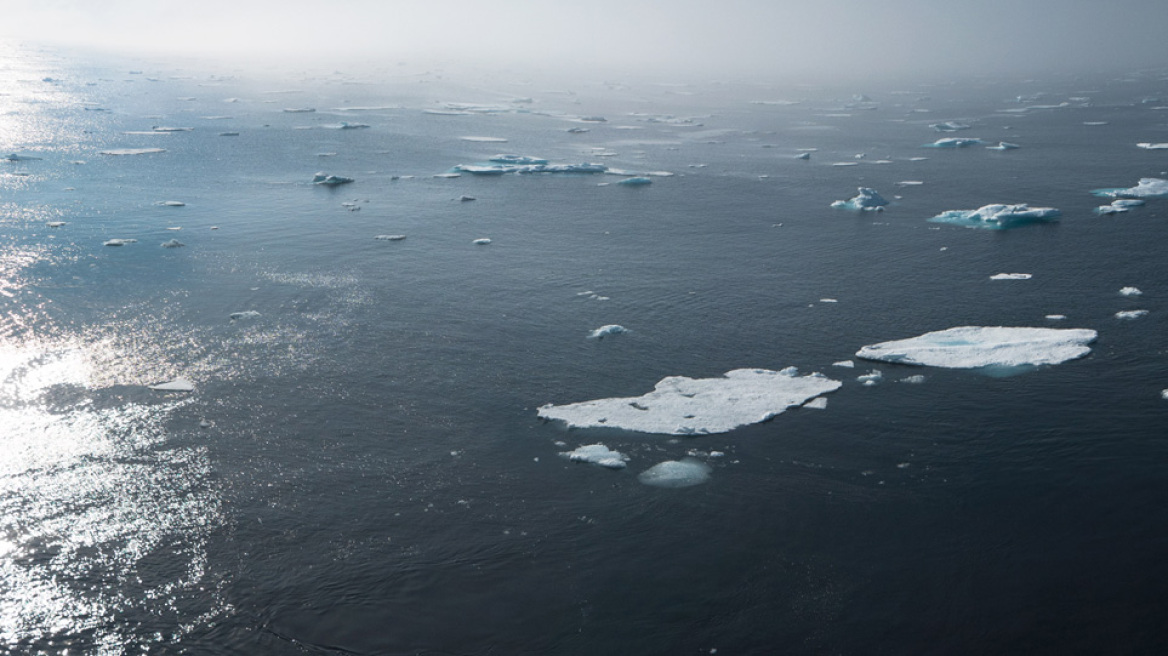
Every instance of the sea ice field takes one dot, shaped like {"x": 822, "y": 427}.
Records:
{"x": 293, "y": 392}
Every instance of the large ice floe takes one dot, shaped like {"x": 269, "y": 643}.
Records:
{"x": 973, "y": 347}
{"x": 954, "y": 142}
{"x": 676, "y": 473}
{"x": 693, "y": 406}
{"x": 1146, "y": 188}
{"x": 998, "y": 217}
{"x": 866, "y": 200}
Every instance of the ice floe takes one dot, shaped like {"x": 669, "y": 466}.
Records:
{"x": 636, "y": 181}
{"x": 954, "y": 142}
{"x": 607, "y": 331}
{"x": 299, "y": 110}
{"x": 482, "y": 241}
{"x": 55, "y": 224}
{"x": 164, "y": 128}
{"x": 1153, "y": 146}
{"x": 687, "y": 406}
{"x": 867, "y": 199}
{"x": 1146, "y": 188}
{"x": 848, "y": 364}
{"x": 176, "y": 385}
{"x": 803, "y": 156}
{"x": 949, "y": 126}
{"x": 597, "y": 454}
{"x": 818, "y": 403}
{"x": 173, "y": 243}
{"x": 20, "y": 158}
{"x": 132, "y": 151}
{"x": 676, "y": 473}
{"x": 1128, "y": 315}
{"x": 246, "y": 314}
{"x": 1119, "y": 206}
{"x": 390, "y": 237}
{"x": 912, "y": 380}
{"x": 171, "y": 203}
{"x": 1130, "y": 291}
{"x": 322, "y": 178}
{"x": 1011, "y": 276}
{"x": 1004, "y": 145}
{"x": 998, "y": 217}
{"x": 484, "y": 139}
{"x": 972, "y": 347}
{"x": 500, "y": 169}
{"x": 871, "y": 378}
{"x": 120, "y": 242}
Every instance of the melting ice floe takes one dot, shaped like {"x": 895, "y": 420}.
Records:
{"x": 687, "y": 406}
{"x": 1119, "y": 206}
{"x": 867, "y": 199}
{"x": 1146, "y": 188}
{"x": 1130, "y": 314}
{"x": 120, "y": 242}
{"x": 635, "y": 181}
{"x": 607, "y": 331}
{"x": 954, "y": 142}
{"x": 500, "y": 169}
{"x": 597, "y": 454}
{"x": 390, "y": 237}
{"x": 676, "y": 473}
{"x": 971, "y": 347}
{"x": 998, "y": 217}
{"x": 173, "y": 243}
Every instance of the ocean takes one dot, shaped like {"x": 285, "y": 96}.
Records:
{"x": 360, "y": 467}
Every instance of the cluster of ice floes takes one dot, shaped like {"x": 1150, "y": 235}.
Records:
{"x": 687, "y": 406}
{"x": 597, "y": 454}
{"x": 954, "y": 142}
{"x": 1146, "y": 188}
{"x": 974, "y": 347}
{"x": 866, "y": 200}
{"x": 998, "y": 217}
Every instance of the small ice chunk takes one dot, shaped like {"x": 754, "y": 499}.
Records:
{"x": 483, "y": 241}
{"x": 954, "y": 142}
{"x": 55, "y": 224}
{"x": 521, "y": 160}
{"x": 120, "y": 242}
{"x": 1146, "y": 188}
{"x": 1130, "y": 291}
{"x": 132, "y": 151}
{"x": 1056, "y": 317}
{"x": 998, "y": 217}
{"x": 164, "y": 128}
{"x": 636, "y": 181}
{"x": 828, "y": 300}
{"x": 818, "y": 403}
{"x": 687, "y": 406}
{"x": 484, "y": 139}
{"x": 1004, "y": 145}
{"x": 299, "y": 110}
{"x": 390, "y": 237}
{"x": 803, "y": 156}
{"x": 20, "y": 158}
{"x": 971, "y": 347}
{"x": 322, "y": 178}
{"x": 909, "y": 183}
{"x": 1153, "y": 146}
{"x": 171, "y": 203}
{"x": 949, "y": 126}
{"x": 867, "y": 199}
{"x": 912, "y": 380}
{"x": 607, "y": 331}
{"x": 1130, "y": 314}
{"x": 246, "y": 314}
{"x": 229, "y": 134}
{"x": 676, "y": 473}
{"x": 847, "y": 364}
{"x": 176, "y": 385}
{"x": 1011, "y": 276}
{"x": 173, "y": 243}
{"x": 466, "y": 199}
{"x": 1164, "y": 394}
{"x": 597, "y": 454}
{"x": 871, "y": 378}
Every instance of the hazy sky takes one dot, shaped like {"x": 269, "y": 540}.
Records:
{"x": 726, "y": 37}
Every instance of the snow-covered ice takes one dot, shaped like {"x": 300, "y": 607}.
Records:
{"x": 949, "y": 126}
{"x": 1011, "y": 276}
{"x": 1130, "y": 291}
{"x": 849, "y": 364}
{"x": 1153, "y": 146}
{"x": 1004, "y": 145}
{"x": 607, "y": 331}
{"x": 687, "y": 406}
{"x": 971, "y": 347}
{"x": 866, "y": 199}
{"x": 484, "y": 139}
{"x": 521, "y": 160}
{"x": 998, "y": 217}
{"x": 1119, "y": 206}
{"x": 171, "y": 203}
{"x": 1130, "y": 314}
{"x": 500, "y": 169}
{"x": 1146, "y": 188}
{"x": 597, "y": 454}
{"x": 390, "y": 237}
{"x": 871, "y": 378}
{"x": 676, "y": 473}
{"x": 120, "y": 242}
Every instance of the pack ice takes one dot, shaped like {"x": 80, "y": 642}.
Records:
{"x": 1146, "y": 188}
{"x": 692, "y": 406}
{"x": 972, "y": 347}
{"x": 866, "y": 199}
{"x": 998, "y": 217}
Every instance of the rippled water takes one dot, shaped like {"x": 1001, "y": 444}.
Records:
{"x": 360, "y": 468}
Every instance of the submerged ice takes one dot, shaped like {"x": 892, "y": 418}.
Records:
{"x": 687, "y": 406}
{"x": 998, "y": 217}
{"x": 972, "y": 347}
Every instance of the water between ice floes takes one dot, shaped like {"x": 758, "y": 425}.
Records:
{"x": 345, "y": 453}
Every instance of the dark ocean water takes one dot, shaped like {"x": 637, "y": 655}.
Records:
{"x": 361, "y": 470}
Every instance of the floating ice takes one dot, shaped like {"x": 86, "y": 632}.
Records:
{"x": 390, "y": 237}
{"x": 500, "y": 169}
{"x": 871, "y": 378}
{"x": 322, "y": 178}
{"x": 607, "y": 331}
{"x": 1056, "y": 317}
{"x": 163, "y": 128}
{"x": 1146, "y": 188}
{"x": 1119, "y": 206}
{"x": 1130, "y": 314}
{"x": 521, "y": 160}
{"x": 803, "y": 156}
{"x": 299, "y": 110}
{"x": 817, "y": 403}
{"x": 1130, "y": 291}
{"x": 132, "y": 151}
{"x": 998, "y": 217}
{"x": 120, "y": 242}
{"x": 637, "y": 181}
{"x": 867, "y": 199}
{"x": 1153, "y": 146}
{"x": 1004, "y": 145}
{"x": 246, "y": 314}
{"x": 1011, "y": 276}
{"x": 954, "y": 142}
{"x": 229, "y": 134}
{"x": 912, "y": 380}
{"x": 597, "y": 454}
{"x": 910, "y": 183}
{"x": 55, "y": 224}
{"x": 173, "y": 243}
{"x": 176, "y": 385}
{"x": 949, "y": 126}
{"x": 1164, "y": 394}
{"x": 20, "y": 158}
{"x": 483, "y": 241}
{"x": 171, "y": 203}
{"x": 676, "y": 473}
{"x": 687, "y": 406}
{"x": 466, "y": 199}
{"x": 484, "y": 139}
{"x": 844, "y": 363}
{"x": 971, "y": 347}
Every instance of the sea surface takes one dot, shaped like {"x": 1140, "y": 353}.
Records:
{"x": 360, "y": 468}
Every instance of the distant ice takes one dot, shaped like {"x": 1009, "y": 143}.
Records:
{"x": 597, "y": 454}
{"x": 132, "y": 151}
{"x": 1011, "y": 276}
{"x": 998, "y": 217}
{"x": 949, "y": 126}
{"x": 500, "y": 169}
{"x": 484, "y": 139}
{"x": 803, "y": 156}
{"x": 1119, "y": 206}
{"x": 171, "y": 203}
{"x": 912, "y": 380}
{"x": 1146, "y": 188}
{"x": 1130, "y": 314}
{"x": 20, "y": 158}
{"x": 55, "y": 224}
{"x": 522, "y": 160}
{"x": 1153, "y": 146}
{"x": 246, "y": 314}
{"x": 163, "y": 128}
{"x": 844, "y": 363}
{"x": 229, "y": 134}
{"x": 322, "y": 178}
{"x": 173, "y": 243}
{"x": 176, "y": 385}
{"x": 637, "y": 181}
{"x": 1056, "y": 317}
{"x": 120, "y": 242}
{"x": 954, "y": 142}
{"x": 1164, "y": 394}
{"x": 687, "y": 406}
{"x": 1004, "y": 145}
{"x": 971, "y": 347}
{"x": 1130, "y": 291}
{"x": 390, "y": 237}
{"x": 607, "y": 331}
{"x": 483, "y": 241}
{"x": 867, "y": 199}
{"x": 909, "y": 183}
{"x": 676, "y": 473}
{"x": 299, "y": 110}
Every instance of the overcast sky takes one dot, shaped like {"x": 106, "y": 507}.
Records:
{"x": 798, "y": 37}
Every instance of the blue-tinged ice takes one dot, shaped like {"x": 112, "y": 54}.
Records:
{"x": 636, "y": 181}
{"x": 1119, "y": 206}
{"x": 974, "y": 347}
{"x": 676, "y": 473}
{"x": 867, "y": 199}
{"x": 998, "y": 217}
{"x": 597, "y": 454}
{"x": 608, "y": 331}
{"x": 322, "y": 178}
{"x": 954, "y": 142}
{"x": 1004, "y": 145}
{"x": 693, "y": 406}
{"x": 1146, "y": 188}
